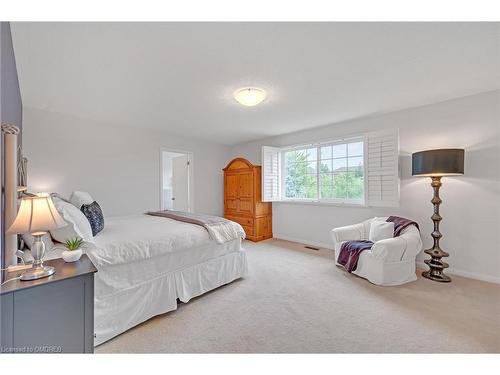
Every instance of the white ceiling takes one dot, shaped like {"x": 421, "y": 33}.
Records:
{"x": 180, "y": 76}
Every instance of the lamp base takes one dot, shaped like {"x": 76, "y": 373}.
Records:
{"x": 37, "y": 273}
{"x": 38, "y": 251}
{"x": 440, "y": 278}
{"x": 436, "y": 266}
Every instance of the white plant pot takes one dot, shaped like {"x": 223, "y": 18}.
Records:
{"x": 71, "y": 256}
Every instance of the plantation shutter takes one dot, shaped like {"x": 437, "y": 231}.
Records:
{"x": 383, "y": 168}
{"x": 271, "y": 172}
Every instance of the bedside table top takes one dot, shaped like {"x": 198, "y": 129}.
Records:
{"x": 63, "y": 271}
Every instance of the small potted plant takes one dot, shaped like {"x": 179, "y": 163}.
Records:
{"x": 74, "y": 251}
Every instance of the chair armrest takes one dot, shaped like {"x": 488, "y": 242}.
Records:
{"x": 347, "y": 233}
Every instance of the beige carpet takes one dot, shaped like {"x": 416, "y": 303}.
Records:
{"x": 297, "y": 301}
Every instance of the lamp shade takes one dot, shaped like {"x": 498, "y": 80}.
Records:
{"x": 441, "y": 162}
{"x": 37, "y": 214}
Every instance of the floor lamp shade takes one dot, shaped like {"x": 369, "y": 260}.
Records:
{"x": 441, "y": 162}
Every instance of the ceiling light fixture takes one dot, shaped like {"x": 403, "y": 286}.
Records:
{"x": 250, "y": 96}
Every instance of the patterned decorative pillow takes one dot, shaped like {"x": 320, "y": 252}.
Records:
{"x": 93, "y": 213}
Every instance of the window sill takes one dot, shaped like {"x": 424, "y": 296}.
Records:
{"x": 323, "y": 203}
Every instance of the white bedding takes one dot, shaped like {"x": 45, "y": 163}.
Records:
{"x": 128, "y": 239}
{"x": 146, "y": 263}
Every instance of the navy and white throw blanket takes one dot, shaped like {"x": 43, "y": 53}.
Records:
{"x": 351, "y": 250}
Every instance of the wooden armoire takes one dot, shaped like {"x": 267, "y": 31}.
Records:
{"x": 242, "y": 199}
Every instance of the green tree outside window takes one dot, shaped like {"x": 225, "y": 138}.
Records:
{"x": 341, "y": 183}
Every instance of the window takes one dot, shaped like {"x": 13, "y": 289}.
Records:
{"x": 325, "y": 172}
{"x": 358, "y": 170}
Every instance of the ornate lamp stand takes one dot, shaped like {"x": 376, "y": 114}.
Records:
{"x": 436, "y": 164}
{"x": 435, "y": 264}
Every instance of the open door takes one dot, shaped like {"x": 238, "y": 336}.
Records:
{"x": 175, "y": 191}
{"x": 180, "y": 183}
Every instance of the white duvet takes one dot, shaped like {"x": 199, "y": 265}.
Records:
{"x": 132, "y": 250}
{"x": 128, "y": 239}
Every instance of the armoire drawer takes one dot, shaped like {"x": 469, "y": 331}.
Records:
{"x": 248, "y": 230}
{"x": 243, "y": 221}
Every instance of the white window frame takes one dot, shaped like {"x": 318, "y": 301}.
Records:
{"x": 317, "y": 146}
{"x": 381, "y": 172}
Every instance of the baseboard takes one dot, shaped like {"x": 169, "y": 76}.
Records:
{"x": 422, "y": 265}
{"x": 467, "y": 274}
{"x": 279, "y": 236}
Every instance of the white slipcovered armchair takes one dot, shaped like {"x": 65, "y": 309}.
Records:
{"x": 390, "y": 261}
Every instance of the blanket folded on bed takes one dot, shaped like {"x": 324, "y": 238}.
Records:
{"x": 220, "y": 230}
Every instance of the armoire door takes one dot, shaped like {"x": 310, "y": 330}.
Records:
{"x": 245, "y": 193}
{"x": 232, "y": 185}
{"x": 245, "y": 206}
{"x": 231, "y": 193}
{"x": 245, "y": 185}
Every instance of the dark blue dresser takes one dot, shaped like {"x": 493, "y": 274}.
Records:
{"x": 50, "y": 315}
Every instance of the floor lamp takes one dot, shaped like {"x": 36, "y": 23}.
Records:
{"x": 436, "y": 164}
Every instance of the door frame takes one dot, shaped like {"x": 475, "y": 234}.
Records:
{"x": 190, "y": 157}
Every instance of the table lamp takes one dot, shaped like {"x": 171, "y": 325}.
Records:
{"x": 436, "y": 164}
{"x": 37, "y": 215}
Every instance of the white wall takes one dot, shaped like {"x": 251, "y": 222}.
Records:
{"x": 119, "y": 166}
{"x": 471, "y": 203}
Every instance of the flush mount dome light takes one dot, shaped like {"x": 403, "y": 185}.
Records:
{"x": 249, "y": 96}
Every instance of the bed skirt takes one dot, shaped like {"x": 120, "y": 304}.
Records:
{"x": 118, "y": 312}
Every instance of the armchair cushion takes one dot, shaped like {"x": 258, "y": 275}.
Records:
{"x": 381, "y": 230}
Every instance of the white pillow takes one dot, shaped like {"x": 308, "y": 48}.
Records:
{"x": 381, "y": 230}
{"x": 46, "y": 239}
{"x": 79, "y": 198}
{"x": 78, "y": 225}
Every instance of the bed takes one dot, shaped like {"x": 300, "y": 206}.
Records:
{"x": 146, "y": 263}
